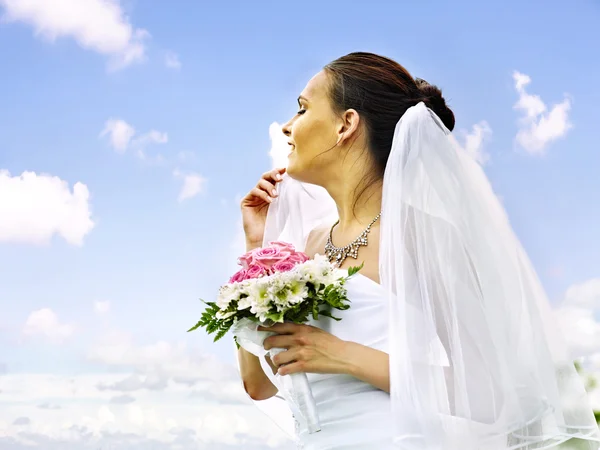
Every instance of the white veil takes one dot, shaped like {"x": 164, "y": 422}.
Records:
{"x": 504, "y": 378}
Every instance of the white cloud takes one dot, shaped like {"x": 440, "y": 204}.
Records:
{"x": 193, "y": 184}
{"x": 22, "y": 421}
{"x": 152, "y": 137}
{"x": 586, "y": 294}
{"x": 186, "y": 155}
{"x": 97, "y": 25}
{"x": 475, "y": 140}
{"x": 120, "y": 133}
{"x": 122, "y": 399}
{"x": 45, "y": 323}
{"x": 176, "y": 398}
{"x": 577, "y": 319}
{"x": 155, "y": 363}
{"x": 172, "y": 61}
{"x": 136, "y": 382}
{"x": 36, "y": 207}
{"x": 279, "y": 146}
{"x": 538, "y": 126}
{"x": 101, "y": 307}
{"x": 122, "y": 136}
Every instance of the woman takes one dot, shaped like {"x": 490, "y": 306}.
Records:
{"x": 449, "y": 342}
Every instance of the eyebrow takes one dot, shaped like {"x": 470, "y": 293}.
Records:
{"x": 302, "y": 98}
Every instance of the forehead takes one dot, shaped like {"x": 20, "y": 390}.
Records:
{"x": 316, "y": 87}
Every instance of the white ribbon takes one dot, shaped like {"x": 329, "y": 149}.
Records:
{"x": 294, "y": 388}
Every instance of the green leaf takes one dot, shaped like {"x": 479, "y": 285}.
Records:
{"x": 195, "y": 327}
{"x": 326, "y": 313}
{"x": 354, "y": 270}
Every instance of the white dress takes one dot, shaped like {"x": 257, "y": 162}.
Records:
{"x": 353, "y": 414}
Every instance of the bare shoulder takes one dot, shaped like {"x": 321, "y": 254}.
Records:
{"x": 316, "y": 240}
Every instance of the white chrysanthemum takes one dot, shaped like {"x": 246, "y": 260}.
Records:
{"x": 224, "y": 315}
{"x": 260, "y": 297}
{"x": 320, "y": 270}
{"x": 227, "y": 294}
{"x": 244, "y": 303}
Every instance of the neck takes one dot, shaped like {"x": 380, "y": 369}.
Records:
{"x": 357, "y": 203}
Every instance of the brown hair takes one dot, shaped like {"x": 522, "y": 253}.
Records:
{"x": 381, "y": 91}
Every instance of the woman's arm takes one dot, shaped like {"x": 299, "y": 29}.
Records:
{"x": 313, "y": 350}
{"x": 256, "y": 383}
{"x": 368, "y": 365}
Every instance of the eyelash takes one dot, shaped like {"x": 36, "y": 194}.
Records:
{"x": 302, "y": 111}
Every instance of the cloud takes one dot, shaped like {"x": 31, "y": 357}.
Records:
{"x": 279, "y": 146}
{"x": 50, "y": 406}
{"x": 102, "y": 307}
{"x": 186, "y": 155}
{"x": 172, "y": 61}
{"x": 193, "y": 184}
{"x": 136, "y": 382}
{"x": 221, "y": 392}
{"x": 475, "y": 140}
{"x": 586, "y": 294}
{"x": 45, "y": 323}
{"x": 91, "y": 418}
{"x": 122, "y": 399}
{"x": 22, "y": 421}
{"x": 577, "y": 318}
{"x": 119, "y": 132}
{"x": 122, "y": 136}
{"x": 154, "y": 363}
{"x": 97, "y": 25}
{"x": 152, "y": 137}
{"x": 36, "y": 207}
{"x": 538, "y": 126}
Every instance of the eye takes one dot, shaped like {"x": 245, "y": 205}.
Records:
{"x": 302, "y": 111}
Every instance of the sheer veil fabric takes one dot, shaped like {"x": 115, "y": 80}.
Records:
{"x": 476, "y": 360}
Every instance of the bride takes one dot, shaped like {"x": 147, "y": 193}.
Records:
{"x": 449, "y": 343}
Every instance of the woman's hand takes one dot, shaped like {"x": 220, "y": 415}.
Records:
{"x": 256, "y": 204}
{"x": 309, "y": 349}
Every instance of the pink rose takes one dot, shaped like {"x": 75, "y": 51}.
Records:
{"x": 284, "y": 266}
{"x": 245, "y": 260}
{"x": 283, "y": 246}
{"x": 297, "y": 258}
{"x": 240, "y": 275}
{"x": 269, "y": 256}
{"x": 255, "y": 271}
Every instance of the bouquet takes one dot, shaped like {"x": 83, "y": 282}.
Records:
{"x": 277, "y": 284}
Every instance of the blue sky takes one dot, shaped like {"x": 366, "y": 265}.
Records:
{"x": 162, "y": 110}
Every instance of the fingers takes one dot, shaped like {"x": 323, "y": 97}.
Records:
{"x": 278, "y": 341}
{"x": 282, "y": 328}
{"x": 259, "y": 193}
{"x": 274, "y": 175}
{"x": 267, "y": 186}
{"x": 286, "y": 357}
{"x": 295, "y": 367}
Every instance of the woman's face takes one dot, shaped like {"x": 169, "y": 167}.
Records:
{"x": 311, "y": 132}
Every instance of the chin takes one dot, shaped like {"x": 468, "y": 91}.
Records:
{"x": 299, "y": 173}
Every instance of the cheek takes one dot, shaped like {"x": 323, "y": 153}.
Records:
{"x": 313, "y": 136}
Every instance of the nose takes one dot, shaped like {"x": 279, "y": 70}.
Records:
{"x": 287, "y": 129}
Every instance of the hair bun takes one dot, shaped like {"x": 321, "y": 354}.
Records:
{"x": 432, "y": 96}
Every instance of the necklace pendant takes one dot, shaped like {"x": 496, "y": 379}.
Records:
{"x": 337, "y": 255}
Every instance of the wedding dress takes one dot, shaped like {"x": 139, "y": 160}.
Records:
{"x": 353, "y": 414}
{"x": 476, "y": 360}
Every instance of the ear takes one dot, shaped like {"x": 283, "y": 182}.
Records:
{"x": 347, "y": 126}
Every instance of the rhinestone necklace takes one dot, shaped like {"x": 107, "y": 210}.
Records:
{"x": 337, "y": 255}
